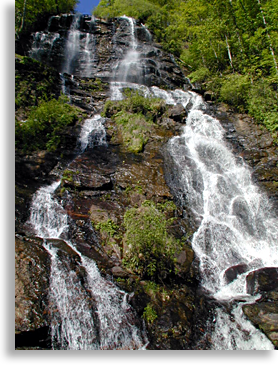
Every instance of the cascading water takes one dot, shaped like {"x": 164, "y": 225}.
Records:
{"x": 75, "y": 323}
{"x": 236, "y": 222}
{"x": 79, "y": 55}
{"x": 72, "y": 46}
{"x": 92, "y": 133}
{"x": 129, "y": 68}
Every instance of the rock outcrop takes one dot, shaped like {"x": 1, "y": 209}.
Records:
{"x": 264, "y": 312}
{"x": 107, "y": 42}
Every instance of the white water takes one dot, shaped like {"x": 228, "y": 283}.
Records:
{"x": 72, "y": 46}
{"x": 88, "y": 56}
{"x": 236, "y": 222}
{"x": 129, "y": 66}
{"x": 75, "y": 324}
{"x": 93, "y": 133}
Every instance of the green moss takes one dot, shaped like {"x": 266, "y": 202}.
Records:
{"x": 135, "y": 117}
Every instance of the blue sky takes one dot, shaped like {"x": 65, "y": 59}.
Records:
{"x": 86, "y": 6}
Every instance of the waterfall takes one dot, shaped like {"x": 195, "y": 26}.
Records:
{"x": 72, "y": 46}
{"x": 129, "y": 68}
{"x": 42, "y": 41}
{"x": 92, "y": 133}
{"x": 88, "y": 57}
{"x": 76, "y": 323}
{"x": 236, "y": 222}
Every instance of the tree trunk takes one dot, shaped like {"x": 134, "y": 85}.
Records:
{"x": 268, "y": 35}
{"x": 229, "y": 53}
{"x": 23, "y": 16}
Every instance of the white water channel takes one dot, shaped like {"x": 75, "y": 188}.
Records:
{"x": 236, "y": 222}
{"x": 76, "y": 324}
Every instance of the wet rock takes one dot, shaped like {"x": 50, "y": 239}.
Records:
{"x": 177, "y": 112}
{"x": 254, "y": 144}
{"x": 170, "y": 327}
{"x": 264, "y": 313}
{"x": 184, "y": 260}
{"x": 118, "y": 272}
{"x": 111, "y": 42}
{"x": 262, "y": 280}
{"x": 264, "y": 316}
{"x": 92, "y": 170}
{"x": 232, "y": 272}
{"x": 32, "y": 269}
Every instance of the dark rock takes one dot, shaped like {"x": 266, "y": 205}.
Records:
{"x": 232, "y": 272}
{"x": 32, "y": 269}
{"x": 254, "y": 144}
{"x": 184, "y": 260}
{"x": 262, "y": 280}
{"x": 92, "y": 170}
{"x": 265, "y": 317}
{"x": 177, "y": 112}
{"x": 111, "y": 42}
{"x": 118, "y": 272}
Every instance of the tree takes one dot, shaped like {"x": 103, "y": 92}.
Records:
{"x": 28, "y": 11}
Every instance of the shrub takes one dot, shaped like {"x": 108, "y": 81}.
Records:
{"x": 46, "y": 125}
{"x": 234, "y": 90}
{"x": 263, "y": 105}
{"x": 149, "y": 314}
{"x": 148, "y": 248}
{"x": 200, "y": 75}
{"x": 135, "y": 130}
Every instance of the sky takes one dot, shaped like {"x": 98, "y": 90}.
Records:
{"x": 86, "y": 6}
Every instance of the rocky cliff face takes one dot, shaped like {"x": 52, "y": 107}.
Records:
{"x": 89, "y": 47}
{"x": 102, "y": 183}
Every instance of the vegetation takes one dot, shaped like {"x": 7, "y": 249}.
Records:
{"x": 46, "y": 125}
{"x": 28, "y": 12}
{"x": 108, "y": 229}
{"x": 135, "y": 117}
{"x": 229, "y": 47}
{"x": 41, "y": 115}
{"x": 149, "y": 314}
{"x": 149, "y": 250}
{"x": 34, "y": 82}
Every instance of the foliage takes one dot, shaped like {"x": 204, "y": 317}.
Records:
{"x": 46, "y": 125}
{"x": 109, "y": 227}
{"x": 263, "y": 105}
{"x": 234, "y": 90}
{"x": 149, "y": 314}
{"x": 150, "y": 250}
{"x": 34, "y": 82}
{"x": 28, "y": 12}
{"x": 135, "y": 117}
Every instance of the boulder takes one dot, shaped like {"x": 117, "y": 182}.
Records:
{"x": 177, "y": 112}
{"x": 264, "y": 316}
{"x": 232, "y": 272}
{"x": 262, "y": 280}
{"x": 118, "y": 272}
{"x": 32, "y": 269}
